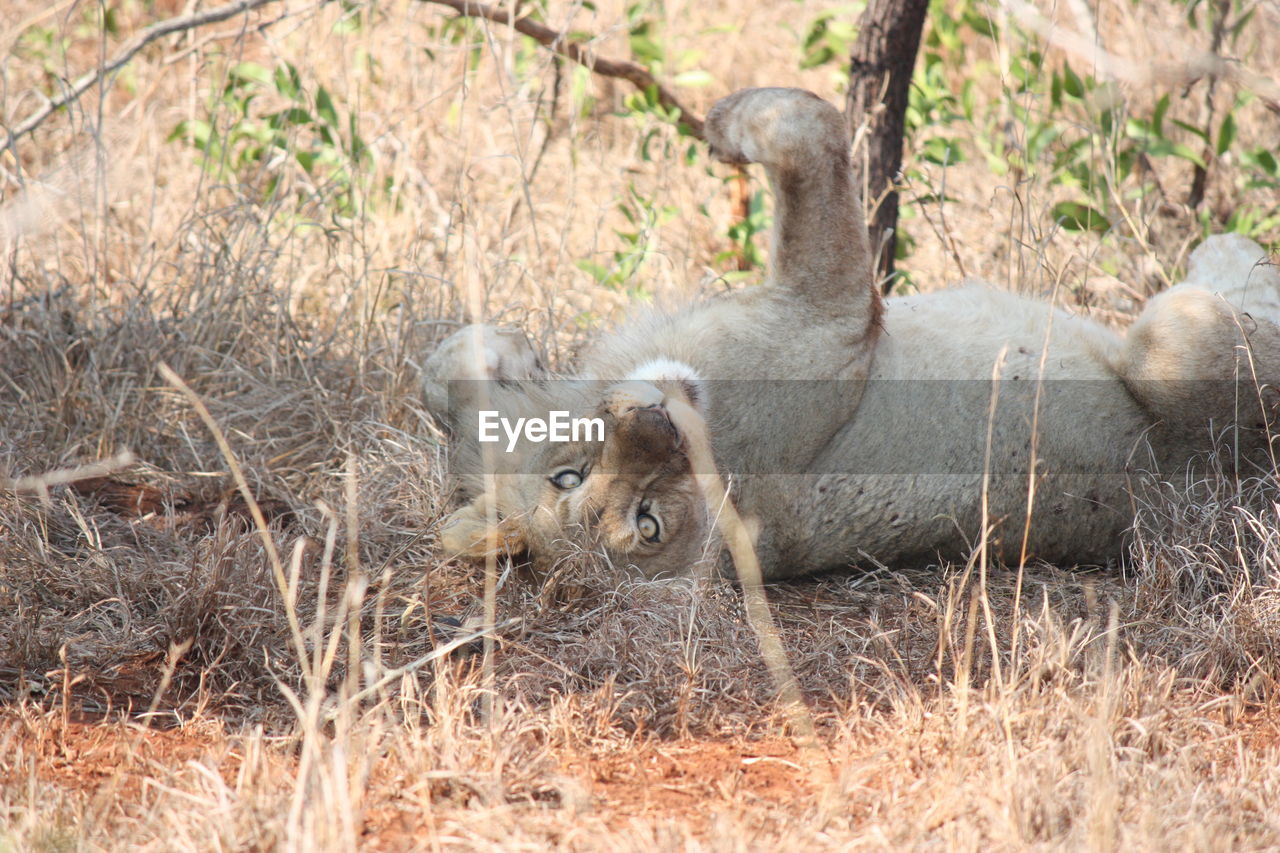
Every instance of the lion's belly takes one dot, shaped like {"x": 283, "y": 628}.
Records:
{"x": 904, "y": 480}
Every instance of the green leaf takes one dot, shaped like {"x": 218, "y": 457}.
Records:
{"x": 942, "y": 151}
{"x": 1166, "y": 148}
{"x": 1192, "y": 129}
{"x": 287, "y": 82}
{"x": 1157, "y": 119}
{"x": 1136, "y": 128}
{"x": 817, "y": 30}
{"x": 295, "y": 115}
{"x": 248, "y": 72}
{"x": 645, "y": 156}
{"x": 324, "y": 106}
{"x": 592, "y": 269}
{"x": 1074, "y": 216}
{"x": 1071, "y": 82}
{"x": 1107, "y": 122}
{"x": 1263, "y": 160}
{"x": 968, "y": 99}
{"x": 981, "y": 24}
{"x": 1126, "y": 159}
{"x": 646, "y": 51}
{"x": 1241, "y": 23}
{"x": 197, "y": 131}
{"x": 817, "y": 57}
{"x": 1226, "y": 134}
{"x": 693, "y": 79}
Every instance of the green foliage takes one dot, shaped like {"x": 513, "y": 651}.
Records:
{"x": 642, "y": 35}
{"x": 639, "y": 242}
{"x": 932, "y": 104}
{"x": 46, "y": 46}
{"x": 650, "y": 115}
{"x": 1074, "y": 216}
{"x": 648, "y": 49}
{"x": 742, "y": 235}
{"x": 1095, "y": 147}
{"x": 656, "y": 141}
{"x": 829, "y": 38}
{"x": 1063, "y": 127}
{"x": 308, "y": 132}
{"x": 463, "y": 32}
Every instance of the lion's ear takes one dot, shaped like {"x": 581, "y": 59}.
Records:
{"x": 467, "y": 533}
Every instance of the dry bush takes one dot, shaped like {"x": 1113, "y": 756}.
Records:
{"x": 164, "y": 689}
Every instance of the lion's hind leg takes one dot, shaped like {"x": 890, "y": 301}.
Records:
{"x": 1205, "y": 354}
{"x": 820, "y": 244}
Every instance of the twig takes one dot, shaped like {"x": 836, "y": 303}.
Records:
{"x": 158, "y": 30}
{"x": 40, "y": 483}
{"x": 560, "y": 43}
{"x": 231, "y": 33}
{"x": 1218, "y": 13}
{"x": 739, "y": 541}
{"x": 437, "y": 653}
{"x": 255, "y": 511}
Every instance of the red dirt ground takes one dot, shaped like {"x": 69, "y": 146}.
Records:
{"x": 87, "y": 757}
{"x": 685, "y": 781}
{"x": 682, "y": 777}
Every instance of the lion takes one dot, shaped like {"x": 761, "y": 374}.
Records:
{"x": 853, "y": 429}
{"x": 633, "y": 495}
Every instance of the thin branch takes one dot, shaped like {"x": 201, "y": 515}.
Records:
{"x": 560, "y": 43}
{"x": 158, "y": 30}
{"x": 740, "y": 539}
{"x": 40, "y": 483}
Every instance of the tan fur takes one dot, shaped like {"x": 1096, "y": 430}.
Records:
{"x": 819, "y": 298}
{"x": 865, "y": 460}
{"x": 641, "y": 468}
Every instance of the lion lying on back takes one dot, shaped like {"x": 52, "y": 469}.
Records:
{"x": 851, "y": 429}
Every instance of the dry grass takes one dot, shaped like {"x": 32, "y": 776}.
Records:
{"x": 164, "y": 688}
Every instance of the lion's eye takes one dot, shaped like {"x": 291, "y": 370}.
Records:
{"x": 567, "y": 479}
{"x": 648, "y": 527}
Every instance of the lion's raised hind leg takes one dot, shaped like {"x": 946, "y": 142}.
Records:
{"x": 819, "y": 246}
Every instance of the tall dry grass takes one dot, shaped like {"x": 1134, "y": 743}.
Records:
{"x": 165, "y": 687}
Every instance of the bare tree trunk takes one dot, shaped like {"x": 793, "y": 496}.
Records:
{"x": 879, "y": 76}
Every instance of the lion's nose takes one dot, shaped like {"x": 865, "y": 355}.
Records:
{"x": 655, "y": 414}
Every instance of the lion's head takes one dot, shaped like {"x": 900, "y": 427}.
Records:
{"x": 631, "y": 497}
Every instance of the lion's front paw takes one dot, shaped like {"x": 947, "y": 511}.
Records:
{"x": 480, "y": 351}
{"x": 477, "y": 351}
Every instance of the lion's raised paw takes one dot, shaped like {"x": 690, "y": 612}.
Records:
{"x": 773, "y": 126}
